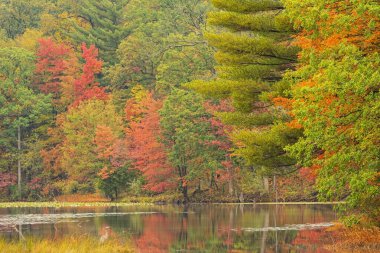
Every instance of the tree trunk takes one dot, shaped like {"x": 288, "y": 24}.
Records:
{"x": 266, "y": 184}
{"x": 241, "y": 197}
{"x": 19, "y": 160}
{"x": 275, "y": 187}
{"x": 230, "y": 182}
{"x": 185, "y": 195}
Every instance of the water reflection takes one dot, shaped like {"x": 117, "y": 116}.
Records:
{"x": 196, "y": 228}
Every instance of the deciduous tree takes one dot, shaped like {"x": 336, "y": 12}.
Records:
{"x": 188, "y": 137}
{"x": 336, "y": 99}
{"x": 82, "y": 156}
{"x": 142, "y": 137}
{"x": 20, "y": 106}
{"x": 86, "y": 86}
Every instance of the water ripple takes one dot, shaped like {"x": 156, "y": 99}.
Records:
{"x": 22, "y": 219}
{"x": 288, "y": 227}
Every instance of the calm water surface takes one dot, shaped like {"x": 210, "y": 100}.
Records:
{"x": 197, "y": 228}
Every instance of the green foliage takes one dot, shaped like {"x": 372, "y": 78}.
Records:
{"x": 105, "y": 26}
{"x": 188, "y": 137}
{"x": 336, "y": 100}
{"x": 136, "y": 186}
{"x": 79, "y": 156}
{"x": 18, "y": 15}
{"x": 251, "y": 182}
{"x": 259, "y": 147}
{"x": 247, "y": 6}
{"x": 166, "y": 46}
{"x": 331, "y": 98}
{"x": 117, "y": 182}
{"x": 20, "y": 108}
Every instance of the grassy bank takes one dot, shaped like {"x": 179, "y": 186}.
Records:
{"x": 136, "y": 202}
{"x": 67, "y": 204}
{"x": 66, "y": 245}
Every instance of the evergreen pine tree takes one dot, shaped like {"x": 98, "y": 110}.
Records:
{"x": 105, "y": 28}
{"x": 253, "y": 42}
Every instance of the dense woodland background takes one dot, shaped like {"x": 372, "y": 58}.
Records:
{"x": 222, "y": 100}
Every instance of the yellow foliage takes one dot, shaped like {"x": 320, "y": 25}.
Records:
{"x": 29, "y": 39}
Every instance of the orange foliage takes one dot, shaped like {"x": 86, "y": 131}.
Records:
{"x": 147, "y": 153}
{"x": 56, "y": 70}
{"x": 105, "y": 141}
{"x": 105, "y": 173}
{"x": 310, "y": 173}
{"x": 294, "y": 124}
{"x": 51, "y": 156}
{"x": 285, "y": 103}
{"x": 355, "y": 239}
{"x": 109, "y": 148}
{"x": 331, "y": 33}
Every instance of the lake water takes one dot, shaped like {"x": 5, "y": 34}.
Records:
{"x": 197, "y": 228}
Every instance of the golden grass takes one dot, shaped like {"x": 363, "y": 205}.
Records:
{"x": 81, "y": 198}
{"x": 66, "y": 204}
{"x": 353, "y": 240}
{"x": 66, "y": 245}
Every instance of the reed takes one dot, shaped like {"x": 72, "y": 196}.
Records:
{"x": 58, "y": 204}
{"x": 65, "y": 245}
{"x": 353, "y": 240}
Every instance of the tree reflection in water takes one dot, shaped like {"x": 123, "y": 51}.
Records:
{"x": 196, "y": 228}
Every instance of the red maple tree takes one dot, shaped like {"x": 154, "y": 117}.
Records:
{"x": 147, "y": 153}
{"x": 86, "y": 87}
{"x": 56, "y": 69}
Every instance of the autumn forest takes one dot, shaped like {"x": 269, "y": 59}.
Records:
{"x": 192, "y": 101}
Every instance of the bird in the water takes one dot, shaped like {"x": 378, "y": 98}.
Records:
{"x": 105, "y": 234}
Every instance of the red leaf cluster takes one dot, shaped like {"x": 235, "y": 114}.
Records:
{"x": 7, "y": 179}
{"x": 86, "y": 87}
{"x": 148, "y": 154}
{"x": 51, "y": 65}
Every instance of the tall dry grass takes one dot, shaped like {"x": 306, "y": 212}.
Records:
{"x": 353, "y": 240}
{"x": 66, "y": 245}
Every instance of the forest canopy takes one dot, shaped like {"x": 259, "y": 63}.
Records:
{"x": 194, "y": 100}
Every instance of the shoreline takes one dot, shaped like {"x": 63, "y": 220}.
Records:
{"x": 23, "y": 204}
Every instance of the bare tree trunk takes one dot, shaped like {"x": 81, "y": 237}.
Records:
{"x": 19, "y": 160}
{"x": 230, "y": 187}
{"x": 241, "y": 197}
{"x": 266, "y": 184}
{"x": 275, "y": 187}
